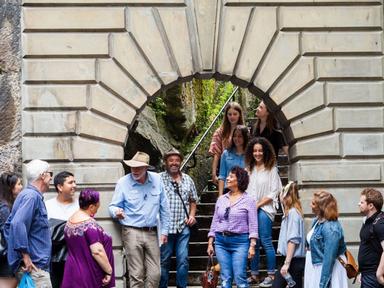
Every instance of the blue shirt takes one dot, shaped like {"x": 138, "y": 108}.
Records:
{"x": 27, "y": 230}
{"x": 292, "y": 230}
{"x": 229, "y": 159}
{"x": 141, "y": 202}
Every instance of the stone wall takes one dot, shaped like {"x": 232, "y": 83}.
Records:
{"x": 90, "y": 66}
{"x": 10, "y": 96}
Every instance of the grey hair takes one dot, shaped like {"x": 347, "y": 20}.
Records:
{"x": 35, "y": 168}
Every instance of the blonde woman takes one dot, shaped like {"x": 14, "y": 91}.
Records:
{"x": 291, "y": 239}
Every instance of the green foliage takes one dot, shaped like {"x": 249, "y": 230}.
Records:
{"x": 210, "y": 96}
{"x": 158, "y": 106}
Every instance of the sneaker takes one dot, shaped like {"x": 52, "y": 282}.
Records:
{"x": 267, "y": 282}
{"x": 253, "y": 279}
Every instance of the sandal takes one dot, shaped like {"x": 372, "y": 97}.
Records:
{"x": 253, "y": 279}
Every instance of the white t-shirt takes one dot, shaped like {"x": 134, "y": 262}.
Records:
{"x": 61, "y": 211}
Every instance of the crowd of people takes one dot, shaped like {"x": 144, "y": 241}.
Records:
{"x": 60, "y": 244}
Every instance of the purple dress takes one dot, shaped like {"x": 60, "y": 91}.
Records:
{"x": 81, "y": 269}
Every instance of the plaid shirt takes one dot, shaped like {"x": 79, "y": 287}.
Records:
{"x": 187, "y": 192}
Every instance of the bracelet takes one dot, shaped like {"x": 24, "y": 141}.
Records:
{"x": 109, "y": 274}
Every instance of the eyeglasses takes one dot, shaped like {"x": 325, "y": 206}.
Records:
{"x": 49, "y": 172}
{"x": 226, "y": 214}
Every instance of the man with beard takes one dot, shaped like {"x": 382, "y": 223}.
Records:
{"x": 182, "y": 198}
{"x": 371, "y": 256}
{"x": 27, "y": 230}
{"x": 138, "y": 199}
{"x": 59, "y": 209}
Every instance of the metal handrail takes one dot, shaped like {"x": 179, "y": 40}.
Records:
{"x": 192, "y": 154}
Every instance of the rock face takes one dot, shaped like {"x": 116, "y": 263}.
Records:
{"x": 147, "y": 137}
{"x": 10, "y": 96}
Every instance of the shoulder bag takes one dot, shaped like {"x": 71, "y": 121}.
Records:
{"x": 210, "y": 277}
{"x": 194, "y": 228}
{"x": 350, "y": 265}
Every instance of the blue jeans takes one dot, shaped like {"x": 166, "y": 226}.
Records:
{"x": 232, "y": 253}
{"x": 265, "y": 237}
{"x": 179, "y": 243}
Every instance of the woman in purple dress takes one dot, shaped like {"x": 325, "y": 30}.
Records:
{"x": 90, "y": 259}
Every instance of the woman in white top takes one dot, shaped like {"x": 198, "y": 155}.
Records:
{"x": 264, "y": 186}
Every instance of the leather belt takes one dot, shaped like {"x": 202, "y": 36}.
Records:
{"x": 146, "y": 229}
{"x": 228, "y": 233}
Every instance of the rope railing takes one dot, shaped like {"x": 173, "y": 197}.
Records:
{"x": 192, "y": 155}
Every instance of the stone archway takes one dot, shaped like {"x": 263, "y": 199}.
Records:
{"x": 90, "y": 66}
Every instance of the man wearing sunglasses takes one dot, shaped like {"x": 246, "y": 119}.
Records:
{"x": 27, "y": 230}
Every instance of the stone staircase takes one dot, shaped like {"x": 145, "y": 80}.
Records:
{"x": 198, "y": 243}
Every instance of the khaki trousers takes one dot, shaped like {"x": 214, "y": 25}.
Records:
{"x": 40, "y": 277}
{"x": 143, "y": 254}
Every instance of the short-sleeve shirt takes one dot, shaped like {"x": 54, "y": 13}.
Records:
{"x": 292, "y": 230}
{"x": 187, "y": 191}
{"x": 371, "y": 235}
{"x": 81, "y": 268}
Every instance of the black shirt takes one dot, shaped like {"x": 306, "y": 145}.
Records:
{"x": 275, "y": 137}
{"x": 371, "y": 235}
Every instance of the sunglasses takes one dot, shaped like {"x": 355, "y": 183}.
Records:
{"x": 226, "y": 214}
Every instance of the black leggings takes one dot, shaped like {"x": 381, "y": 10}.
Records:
{"x": 296, "y": 269}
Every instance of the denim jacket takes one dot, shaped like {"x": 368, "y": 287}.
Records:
{"x": 327, "y": 243}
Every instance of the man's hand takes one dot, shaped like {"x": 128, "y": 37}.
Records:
{"x": 120, "y": 213}
{"x": 190, "y": 221}
{"x": 28, "y": 265}
{"x": 163, "y": 239}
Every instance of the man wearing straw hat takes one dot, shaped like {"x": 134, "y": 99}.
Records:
{"x": 138, "y": 198}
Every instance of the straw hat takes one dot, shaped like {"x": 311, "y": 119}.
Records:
{"x": 140, "y": 159}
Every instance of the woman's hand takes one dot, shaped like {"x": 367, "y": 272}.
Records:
{"x": 107, "y": 278}
{"x": 284, "y": 269}
{"x": 251, "y": 252}
{"x": 215, "y": 179}
{"x": 210, "y": 249}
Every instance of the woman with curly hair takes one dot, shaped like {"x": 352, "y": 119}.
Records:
{"x": 10, "y": 186}
{"x": 234, "y": 230}
{"x": 264, "y": 186}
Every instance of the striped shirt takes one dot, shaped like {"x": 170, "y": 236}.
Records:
{"x": 242, "y": 216}
{"x": 187, "y": 191}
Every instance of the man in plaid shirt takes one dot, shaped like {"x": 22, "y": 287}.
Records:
{"x": 177, "y": 186}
